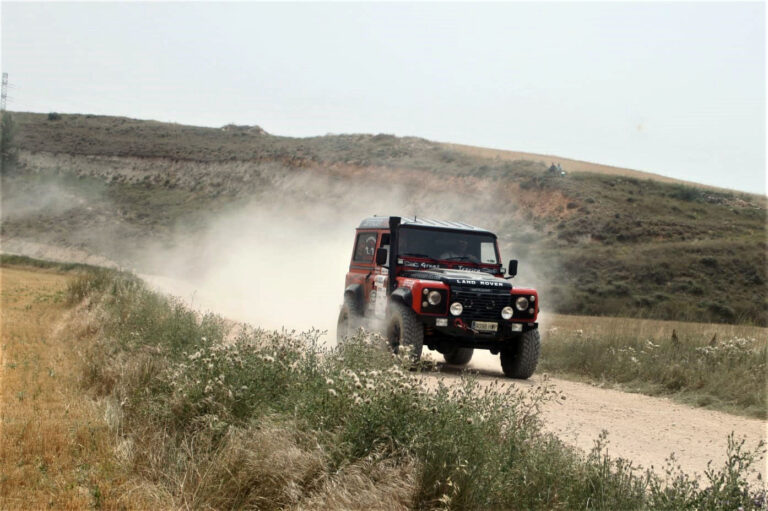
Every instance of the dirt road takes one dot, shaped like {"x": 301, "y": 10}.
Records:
{"x": 643, "y": 429}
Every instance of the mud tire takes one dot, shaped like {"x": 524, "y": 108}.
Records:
{"x": 458, "y": 356}
{"x": 520, "y": 361}
{"x": 404, "y": 329}
{"x": 350, "y": 318}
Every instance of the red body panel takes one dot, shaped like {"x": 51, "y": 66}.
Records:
{"x": 363, "y": 273}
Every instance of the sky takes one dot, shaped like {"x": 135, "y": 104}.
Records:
{"x": 672, "y": 88}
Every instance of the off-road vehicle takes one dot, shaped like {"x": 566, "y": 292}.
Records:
{"x": 440, "y": 285}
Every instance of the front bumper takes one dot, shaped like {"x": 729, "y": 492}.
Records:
{"x": 469, "y": 337}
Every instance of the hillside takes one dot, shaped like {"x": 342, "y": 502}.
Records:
{"x": 595, "y": 243}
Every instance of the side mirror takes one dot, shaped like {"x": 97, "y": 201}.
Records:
{"x": 512, "y": 267}
{"x": 381, "y": 256}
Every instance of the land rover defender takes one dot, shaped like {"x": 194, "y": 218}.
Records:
{"x": 441, "y": 285}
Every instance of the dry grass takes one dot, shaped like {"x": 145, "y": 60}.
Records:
{"x": 570, "y": 165}
{"x": 597, "y": 326}
{"x": 55, "y": 445}
{"x": 710, "y": 365}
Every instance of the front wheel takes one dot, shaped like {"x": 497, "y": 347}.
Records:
{"x": 520, "y": 360}
{"x": 404, "y": 329}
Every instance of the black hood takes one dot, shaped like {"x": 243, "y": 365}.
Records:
{"x": 459, "y": 278}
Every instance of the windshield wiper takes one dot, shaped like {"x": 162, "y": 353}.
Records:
{"x": 411, "y": 254}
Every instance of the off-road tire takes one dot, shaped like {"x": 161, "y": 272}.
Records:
{"x": 520, "y": 360}
{"x": 350, "y": 318}
{"x": 458, "y": 356}
{"x": 404, "y": 329}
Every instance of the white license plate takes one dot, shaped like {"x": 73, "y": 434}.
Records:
{"x": 485, "y": 326}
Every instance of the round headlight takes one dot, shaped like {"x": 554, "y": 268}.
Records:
{"x": 507, "y": 312}
{"x": 457, "y": 309}
{"x": 434, "y": 298}
{"x": 521, "y": 303}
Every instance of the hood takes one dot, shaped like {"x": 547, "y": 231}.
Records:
{"x": 464, "y": 278}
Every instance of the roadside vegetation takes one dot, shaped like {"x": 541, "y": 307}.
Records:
{"x": 214, "y": 417}
{"x": 715, "y": 366}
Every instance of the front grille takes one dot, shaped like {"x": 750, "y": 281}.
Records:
{"x": 481, "y": 304}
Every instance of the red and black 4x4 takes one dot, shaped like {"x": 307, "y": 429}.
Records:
{"x": 441, "y": 285}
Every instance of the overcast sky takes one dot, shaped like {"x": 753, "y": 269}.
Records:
{"x": 673, "y": 88}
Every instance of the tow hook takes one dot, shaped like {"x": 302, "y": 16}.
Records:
{"x": 460, "y": 324}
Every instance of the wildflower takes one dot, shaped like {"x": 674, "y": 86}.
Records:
{"x": 328, "y": 381}
{"x": 332, "y": 392}
{"x": 194, "y": 356}
{"x": 358, "y": 385}
{"x": 210, "y": 365}
{"x": 208, "y": 389}
{"x": 469, "y": 420}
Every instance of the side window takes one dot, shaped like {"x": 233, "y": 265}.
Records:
{"x": 487, "y": 253}
{"x": 385, "y": 245}
{"x": 365, "y": 247}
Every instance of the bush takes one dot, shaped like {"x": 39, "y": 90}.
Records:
{"x": 53, "y": 116}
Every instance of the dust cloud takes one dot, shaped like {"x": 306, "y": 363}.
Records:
{"x": 281, "y": 263}
{"x": 276, "y": 261}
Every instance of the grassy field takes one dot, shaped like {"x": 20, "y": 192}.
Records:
{"x": 703, "y": 364}
{"x": 599, "y": 244}
{"x": 202, "y": 416}
{"x": 55, "y": 446}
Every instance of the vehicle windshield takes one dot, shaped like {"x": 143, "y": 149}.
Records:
{"x": 442, "y": 245}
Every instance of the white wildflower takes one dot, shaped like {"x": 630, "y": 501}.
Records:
{"x": 332, "y": 392}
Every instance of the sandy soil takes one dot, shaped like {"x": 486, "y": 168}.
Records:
{"x": 643, "y": 429}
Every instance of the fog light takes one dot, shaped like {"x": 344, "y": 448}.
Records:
{"x": 441, "y": 322}
{"x": 434, "y": 298}
{"x": 521, "y": 303}
{"x": 531, "y": 310}
{"x": 457, "y": 309}
{"x": 532, "y": 298}
{"x": 507, "y": 312}
{"x": 517, "y": 327}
